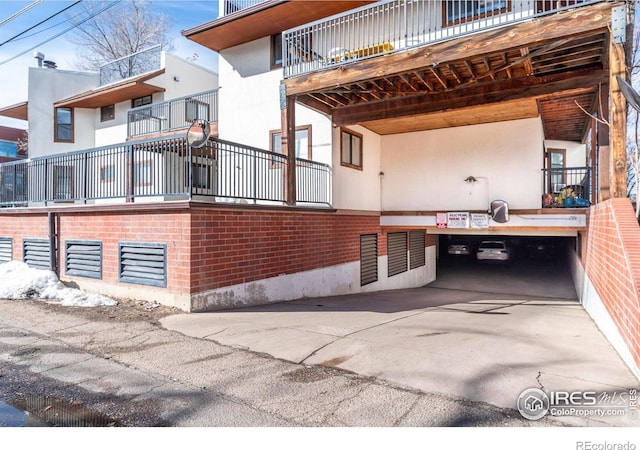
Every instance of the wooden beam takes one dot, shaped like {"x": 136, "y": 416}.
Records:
{"x": 513, "y": 89}
{"x": 423, "y": 80}
{"x": 536, "y": 32}
{"x": 439, "y": 77}
{"x": 288, "y": 118}
{"x": 455, "y": 73}
{"x": 617, "y": 123}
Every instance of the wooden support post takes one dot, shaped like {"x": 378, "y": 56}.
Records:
{"x": 288, "y": 119}
{"x": 617, "y": 123}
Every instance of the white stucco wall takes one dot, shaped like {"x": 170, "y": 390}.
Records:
{"x": 353, "y": 188}
{"x": 192, "y": 79}
{"x": 249, "y": 101}
{"x": 576, "y": 152}
{"x": 46, "y": 86}
{"x": 426, "y": 170}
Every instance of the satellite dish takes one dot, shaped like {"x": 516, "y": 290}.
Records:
{"x": 629, "y": 93}
{"x": 198, "y": 133}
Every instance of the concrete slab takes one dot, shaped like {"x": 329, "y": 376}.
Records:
{"x": 466, "y": 345}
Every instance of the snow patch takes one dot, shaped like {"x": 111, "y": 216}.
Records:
{"x": 19, "y": 281}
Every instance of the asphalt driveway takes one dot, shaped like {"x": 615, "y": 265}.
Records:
{"x": 459, "y": 337}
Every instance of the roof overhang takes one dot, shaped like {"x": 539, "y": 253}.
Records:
{"x": 113, "y": 93}
{"x": 264, "y": 19}
{"x": 17, "y": 111}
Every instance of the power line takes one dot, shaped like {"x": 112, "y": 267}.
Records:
{"x": 23, "y": 10}
{"x": 110, "y": 5}
{"x": 40, "y": 23}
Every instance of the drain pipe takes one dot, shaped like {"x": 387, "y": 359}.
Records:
{"x": 52, "y": 242}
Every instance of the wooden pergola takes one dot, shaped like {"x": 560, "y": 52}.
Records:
{"x": 559, "y": 67}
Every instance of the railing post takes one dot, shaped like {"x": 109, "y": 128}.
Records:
{"x": 190, "y": 170}
{"x": 132, "y": 173}
{"x": 288, "y": 118}
{"x": 46, "y": 181}
{"x": 86, "y": 178}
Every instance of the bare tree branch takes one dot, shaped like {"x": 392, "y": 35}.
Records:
{"x": 127, "y": 28}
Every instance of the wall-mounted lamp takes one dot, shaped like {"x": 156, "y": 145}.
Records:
{"x": 176, "y": 78}
{"x": 470, "y": 179}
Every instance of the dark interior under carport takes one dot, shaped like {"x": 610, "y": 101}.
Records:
{"x": 537, "y": 266}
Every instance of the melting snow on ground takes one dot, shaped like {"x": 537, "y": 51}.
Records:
{"x": 19, "y": 281}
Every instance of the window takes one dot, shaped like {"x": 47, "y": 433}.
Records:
{"x": 459, "y": 11}
{"x": 303, "y": 141}
{"x": 141, "y": 101}
{"x": 351, "y": 149}
{"x": 63, "y": 125}
{"x": 556, "y": 162}
{"x": 63, "y": 182}
{"x": 195, "y": 109}
{"x": 8, "y": 149}
{"x": 368, "y": 259}
{"x": 276, "y": 51}
{"x": 107, "y": 113}
{"x": 201, "y": 174}
{"x": 143, "y": 175}
{"x": 107, "y": 174}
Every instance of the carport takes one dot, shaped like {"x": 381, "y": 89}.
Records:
{"x": 538, "y": 265}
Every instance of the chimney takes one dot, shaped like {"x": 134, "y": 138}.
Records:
{"x": 50, "y": 64}
{"x": 39, "y": 56}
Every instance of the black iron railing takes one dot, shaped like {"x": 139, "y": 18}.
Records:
{"x": 567, "y": 187}
{"x": 174, "y": 114}
{"x": 161, "y": 169}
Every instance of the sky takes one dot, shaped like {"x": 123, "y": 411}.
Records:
{"x": 183, "y": 14}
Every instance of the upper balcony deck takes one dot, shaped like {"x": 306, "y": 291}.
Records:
{"x": 392, "y": 26}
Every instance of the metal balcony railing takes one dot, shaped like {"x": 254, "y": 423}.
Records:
{"x": 394, "y": 25}
{"x": 166, "y": 169}
{"x": 172, "y": 114}
{"x": 571, "y": 182}
{"x": 232, "y": 6}
{"x": 131, "y": 65}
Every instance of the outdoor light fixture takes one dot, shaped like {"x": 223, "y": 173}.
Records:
{"x": 471, "y": 179}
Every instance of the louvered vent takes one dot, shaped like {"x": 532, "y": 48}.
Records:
{"x": 416, "y": 249}
{"x": 37, "y": 253}
{"x": 368, "y": 258}
{"x": 397, "y": 253}
{"x": 83, "y": 258}
{"x": 6, "y": 249}
{"x": 143, "y": 263}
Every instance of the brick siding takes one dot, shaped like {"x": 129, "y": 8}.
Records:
{"x": 612, "y": 262}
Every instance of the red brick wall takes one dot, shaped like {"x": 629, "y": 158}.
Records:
{"x": 240, "y": 246}
{"x": 166, "y": 227}
{"x": 210, "y": 247}
{"x": 613, "y": 266}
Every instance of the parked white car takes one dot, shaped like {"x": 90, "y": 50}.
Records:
{"x": 493, "y": 251}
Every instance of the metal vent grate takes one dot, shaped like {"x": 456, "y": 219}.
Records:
{"x": 6, "y": 249}
{"x": 397, "y": 253}
{"x": 368, "y": 258}
{"x": 37, "y": 253}
{"x": 416, "y": 249}
{"x": 83, "y": 258}
{"x": 143, "y": 263}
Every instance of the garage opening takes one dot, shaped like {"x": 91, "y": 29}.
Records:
{"x": 521, "y": 265}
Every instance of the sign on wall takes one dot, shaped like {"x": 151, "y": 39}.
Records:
{"x": 458, "y": 220}
{"x": 441, "y": 220}
{"x": 479, "y": 220}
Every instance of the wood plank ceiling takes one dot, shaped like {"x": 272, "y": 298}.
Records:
{"x": 549, "y": 79}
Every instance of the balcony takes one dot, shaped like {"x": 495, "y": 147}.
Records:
{"x": 233, "y": 6}
{"x": 172, "y": 115}
{"x": 570, "y": 187}
{"x": 393, "y": 26}
{"x": 161, "y": 170}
